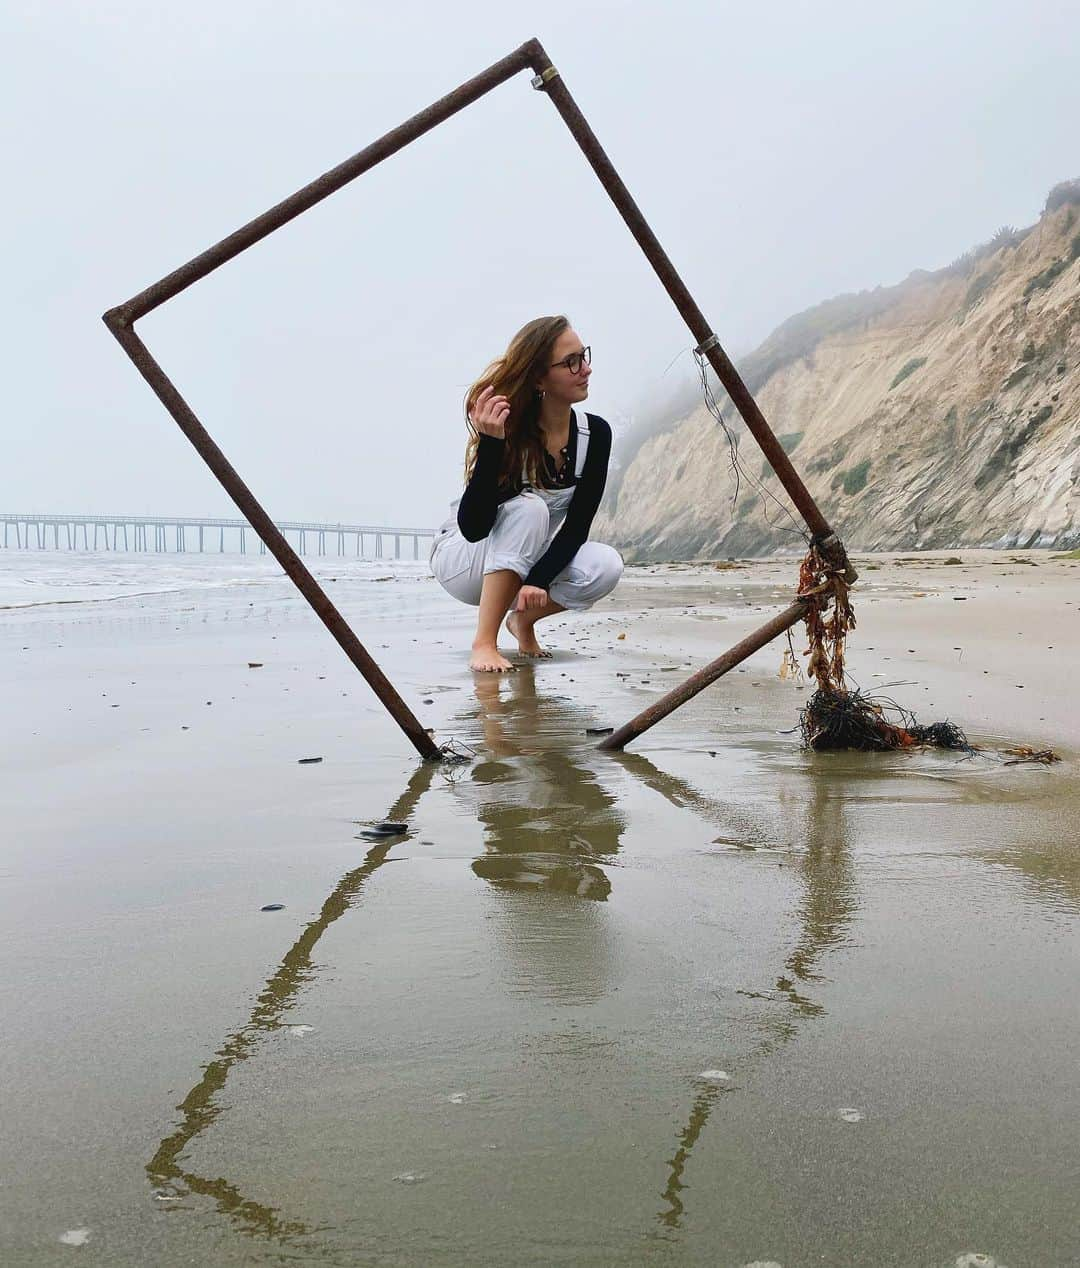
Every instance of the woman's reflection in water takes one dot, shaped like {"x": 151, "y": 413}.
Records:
{"x": 550, "y": 827}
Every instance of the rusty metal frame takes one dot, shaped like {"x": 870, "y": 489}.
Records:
{"x": 530, "y": 55}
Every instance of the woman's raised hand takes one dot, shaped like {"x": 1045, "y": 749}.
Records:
{"x": 489, "y": 414}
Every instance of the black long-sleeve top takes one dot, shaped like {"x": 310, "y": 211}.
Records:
{"x": 484, "y": 494}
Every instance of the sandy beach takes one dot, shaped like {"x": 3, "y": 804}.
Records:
{"x": 716, "y": 1000}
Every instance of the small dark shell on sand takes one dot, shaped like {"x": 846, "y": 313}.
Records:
{"x": 307, "y": 761}
{"x": 273, "y": 907}
{"x": 382, "y": 831}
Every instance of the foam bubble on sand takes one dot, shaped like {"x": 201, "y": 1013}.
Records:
{"x": 715, "y": 1076}
{"x": 75, "y": 1237}
{"x": 301, "y": 1031}
{"x": 850, "y": 1115}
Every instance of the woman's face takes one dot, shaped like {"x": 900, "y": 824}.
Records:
{"x": 559, "y": 383}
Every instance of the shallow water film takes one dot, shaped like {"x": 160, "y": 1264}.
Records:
{"x": 715, "y": 1000}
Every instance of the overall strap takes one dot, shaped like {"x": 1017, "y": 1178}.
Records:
{"x": 582, "y": 442}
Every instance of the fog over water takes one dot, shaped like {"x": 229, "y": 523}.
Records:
{"x": 782, "y": 155}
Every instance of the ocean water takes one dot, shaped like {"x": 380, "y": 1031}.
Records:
{"x": 40, "y": 580}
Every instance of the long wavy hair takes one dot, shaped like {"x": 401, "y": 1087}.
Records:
{"x": 515, "y": 375}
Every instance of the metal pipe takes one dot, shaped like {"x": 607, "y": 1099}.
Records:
{"x": 322, "y": 187}
{"x": 741, "y": 397}
{"x": 120, "y": 321}
{"x": 709, "y": 674}
{"x": 279, "y": 547}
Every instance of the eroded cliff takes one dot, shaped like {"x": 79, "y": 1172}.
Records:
{"x": 943, "y": 411}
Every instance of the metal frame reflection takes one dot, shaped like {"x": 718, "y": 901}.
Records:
{"x": 199, "y": 1109}
{"x": 829, "y": 905}
{"x": 515, "y": 728}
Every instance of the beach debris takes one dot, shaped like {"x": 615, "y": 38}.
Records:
{"x": 836, "y": 718}
{"x": 273, "y": 907}
{"x": 599, "y": 730}
{"x": 300, "y": 1030}
{"x": 1024, "y": 753}
{"x": 764, "y": 1263}
{"x": 975, "y": 1259}
{"x": 715, "y": 1076}
{"x": 255, "y": 664}
{"x": 75, "y": 1237}
{"x": 457, "y": 1098}
{"x": 307, "y": 761}
{"x": 383, "y": 831}
{"x": 455, "y": 751}
{"x": 162, "y": 1195}
{"x": 850, "y": 1115}
{"x": 410, "y": 1177}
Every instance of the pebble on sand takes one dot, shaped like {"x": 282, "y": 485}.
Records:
{"x": 410, "y": 1177}
{"x": 850, "y": 1115}
{"x": 975, "y": 1259}
{"x": 75, "y": 1237}
{"x": 715, "y": 1076}
{"x": 273, "y": 907}
{"x": 307, "y": 761}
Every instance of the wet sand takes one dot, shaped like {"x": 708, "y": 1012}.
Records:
{"x": 712, "y": 1001}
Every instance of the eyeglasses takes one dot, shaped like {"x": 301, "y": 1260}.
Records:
{"x": 574, "y": 361}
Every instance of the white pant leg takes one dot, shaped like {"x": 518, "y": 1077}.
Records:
{"x": 592, "y": 573}
{"x": 519, "y": 536}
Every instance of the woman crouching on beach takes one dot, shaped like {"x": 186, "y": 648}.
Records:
{"x": 535, "y": 468}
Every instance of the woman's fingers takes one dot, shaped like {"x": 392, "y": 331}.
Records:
{"x": 489, "y": 409}
{"x": 531, "y": 597}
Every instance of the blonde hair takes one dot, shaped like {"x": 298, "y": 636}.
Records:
{"x": 515, "y": 375}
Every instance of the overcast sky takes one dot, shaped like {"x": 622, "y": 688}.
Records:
{"x": 782, "y": 152}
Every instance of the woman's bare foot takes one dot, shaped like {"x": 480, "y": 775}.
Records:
{"x": 488, "y": 659}
{"x": 526, "y": 637}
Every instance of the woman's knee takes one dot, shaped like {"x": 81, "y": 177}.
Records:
{"x": 593, "y": 573}
{"x": 608, "y": 567}
{"x": 525, "y": 514}
{"x": 519, "y": 535}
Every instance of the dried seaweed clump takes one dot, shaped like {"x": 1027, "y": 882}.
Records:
{"x": 845, "y": 719}
{"x": 836, "y": 717}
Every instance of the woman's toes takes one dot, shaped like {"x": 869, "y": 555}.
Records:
{"x": 490, "y": 663}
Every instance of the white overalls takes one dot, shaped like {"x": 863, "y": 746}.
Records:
{"x": 524, "y": 528}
